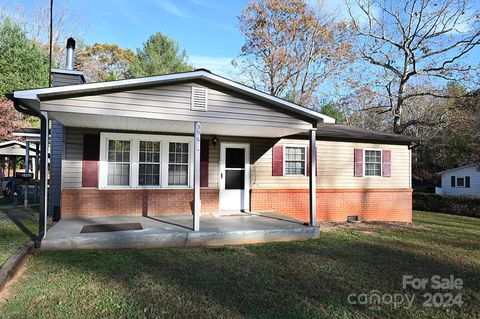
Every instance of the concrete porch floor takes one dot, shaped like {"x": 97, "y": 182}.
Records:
{"x": 170, "y": 231}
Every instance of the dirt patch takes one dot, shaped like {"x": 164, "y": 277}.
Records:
{"x": 5, "y": 292}
{"x": 365, "y": 226}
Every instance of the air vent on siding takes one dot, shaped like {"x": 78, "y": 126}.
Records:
{"x": 199, "y": 99}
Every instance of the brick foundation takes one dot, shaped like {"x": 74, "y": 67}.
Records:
{"x": 337, "y": 204}
{"x": 95, "y": 202}
{"x": 332, "y": 204}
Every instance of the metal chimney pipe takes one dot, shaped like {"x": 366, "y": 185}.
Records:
{"x": 69, "y": 62}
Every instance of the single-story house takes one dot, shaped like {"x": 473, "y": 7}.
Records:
{"x": 460, "y": 181}
{"x": 196, "y": 142}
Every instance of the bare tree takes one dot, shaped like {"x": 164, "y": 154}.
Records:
{"x": 290, "y": 49}
{"x": 67, "y": 22}
{"x": 411, "y": 41}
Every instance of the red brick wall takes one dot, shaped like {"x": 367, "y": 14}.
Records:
{"x": 95, "y": 202}
{"x": 337, "y": 204}
{"x": 332, "y": 204}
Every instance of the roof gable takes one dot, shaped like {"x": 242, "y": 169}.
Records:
{"x": 34, "y": 96}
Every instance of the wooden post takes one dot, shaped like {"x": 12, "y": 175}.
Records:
{"x": 27, "y": 171}
{"x": 14, "y": 166}
{"x": 42, "y": 221}
{"x": 196, "y": 178}
{"x": 313, "y": 178}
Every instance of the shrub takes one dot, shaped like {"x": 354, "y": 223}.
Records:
{"x": 455, "y": 205}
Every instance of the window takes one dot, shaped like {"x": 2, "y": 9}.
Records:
{"x": 145, "y": 161}
{"x": 295, "y": 160}
{"x": 178, "y": 164}
{"x": 460, "y": 182}
{"x": 373, "y": 163}
{"x": 149, "y": 163}
{"x": 118, "y": 163}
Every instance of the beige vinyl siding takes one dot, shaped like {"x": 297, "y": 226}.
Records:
{"x": 258, "y": 147}
{"x": 335, "y": 164}
{"x": 173, "y": 103}
{"x": 335, "y": 168}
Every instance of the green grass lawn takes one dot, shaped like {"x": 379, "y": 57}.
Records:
{"x": 17, "y": 227}
{"x": 310, "y": 279}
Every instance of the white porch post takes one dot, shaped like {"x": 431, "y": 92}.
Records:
{"x": 43, "y": 177}
{"x": 313, "y": 178}
{"x": 196, "y": 178}
{"x": 27, "y": 171}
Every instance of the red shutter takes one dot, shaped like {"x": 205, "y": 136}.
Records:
{"x": 387, "y": 163}
{"x": 277, "y": 160}
{"x": 204, "y": 162}
{"x": 358, "y": 159}
{"x": 308, "y": 162}
{"x": 91, "y": 152}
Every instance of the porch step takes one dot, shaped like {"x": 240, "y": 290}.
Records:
{"x": 143, "y": 239}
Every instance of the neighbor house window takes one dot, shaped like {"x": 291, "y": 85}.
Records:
{"x": 118, "y": 163}
{"x": 295, "y": 160}
{"x": 373, "y": 163}
{"x": 149, "y": 163}
{"x": 460, "y": 182}
{"x": 178, "y": 164}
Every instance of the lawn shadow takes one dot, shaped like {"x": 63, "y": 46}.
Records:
{"x": 301, "y": 280}
{"x": 17, "y": 221}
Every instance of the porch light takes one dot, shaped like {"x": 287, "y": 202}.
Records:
{"x": 214, "y": 141}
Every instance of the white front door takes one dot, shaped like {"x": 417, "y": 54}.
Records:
{"x": 234, "y": 177}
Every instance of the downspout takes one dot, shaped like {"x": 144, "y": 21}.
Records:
{"x": 42, "y": 221}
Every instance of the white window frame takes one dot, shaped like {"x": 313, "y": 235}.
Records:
{"x": 284, "y": 159}
{"x": 138, "y": 164}
{"x": 456, "y": 181}
{"x": 135, "y": 156}
{"x": 365, "y": 162}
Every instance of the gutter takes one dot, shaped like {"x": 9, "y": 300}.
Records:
{"x": 21, "y": 108}
{"x": 42, "y": 220}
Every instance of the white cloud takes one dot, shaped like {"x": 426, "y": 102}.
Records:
{"x": 219, "y": 65}
{"x": 168, "y": 6}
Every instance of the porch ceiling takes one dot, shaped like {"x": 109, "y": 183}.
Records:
{"x": 107, "y": 122}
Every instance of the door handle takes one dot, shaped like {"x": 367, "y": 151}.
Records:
{"x": 221, "y": 175}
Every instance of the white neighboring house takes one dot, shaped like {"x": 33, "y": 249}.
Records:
{"x": 461, "y": 181}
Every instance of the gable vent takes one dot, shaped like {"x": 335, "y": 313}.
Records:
{"x": 199, "y": 99}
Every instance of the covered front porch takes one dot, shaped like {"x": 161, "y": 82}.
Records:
{"x": 174, "y": 230}
{"x": 172, "y": 111}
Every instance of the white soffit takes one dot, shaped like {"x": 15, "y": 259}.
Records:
{"x": 104, "y": 122}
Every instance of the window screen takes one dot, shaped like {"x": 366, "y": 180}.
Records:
{"x": 373, "y": 163}
{"x": 295, "y": 160}
{"x": 118, "y": 163}
{"x": 149, "y": 163}
{"x": 178, "y": 164}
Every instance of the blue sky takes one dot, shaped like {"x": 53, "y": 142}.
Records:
{"x": 206, "y": 29}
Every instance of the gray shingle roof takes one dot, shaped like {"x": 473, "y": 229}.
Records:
{"x": 352, "y": 133}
